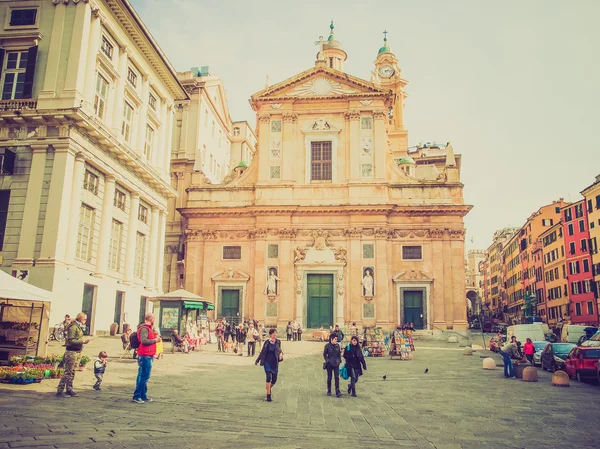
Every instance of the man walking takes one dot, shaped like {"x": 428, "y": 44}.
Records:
{"x": 74, "y": 343}
{"x": 148, "y": 339}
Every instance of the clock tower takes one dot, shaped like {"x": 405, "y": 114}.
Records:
{"x": 387, "y": 74}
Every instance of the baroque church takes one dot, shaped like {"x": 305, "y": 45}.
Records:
{"x": 333, "y": 220}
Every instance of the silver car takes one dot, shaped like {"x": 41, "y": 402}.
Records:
{"x": 537, "y": 356}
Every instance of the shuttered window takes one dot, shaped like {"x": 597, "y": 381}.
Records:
{"x": 320, "y": 161}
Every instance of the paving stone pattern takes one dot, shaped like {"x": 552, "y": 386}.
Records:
{"x": 212, "y": 400}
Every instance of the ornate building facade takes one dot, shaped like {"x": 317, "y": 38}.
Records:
{"x": 333, "y": 221}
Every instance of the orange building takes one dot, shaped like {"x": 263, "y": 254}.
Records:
{"x": 493, "y": 278}
{"x": 512, "y": 279}
{"x": 555, "y": 274}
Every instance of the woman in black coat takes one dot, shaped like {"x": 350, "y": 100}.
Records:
{"x": 355, "y": 363}
{"x": 269, "y": 358}
{"x": 333, "y": 359}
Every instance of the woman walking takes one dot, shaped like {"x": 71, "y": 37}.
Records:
{"x": 355, "y": 363}
{"x": 269, "y": 358}
{"x": 331, "y": 354}
{"x": 529, "y": 350}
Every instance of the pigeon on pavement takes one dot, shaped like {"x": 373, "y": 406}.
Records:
{"x": 384, "y": 377}
{"x": 426, "y": 370}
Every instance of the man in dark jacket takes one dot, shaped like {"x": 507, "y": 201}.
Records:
{"x": 338, "y": 333}
{"x": 355, "y": 363}
{"x": 332, "y": 356}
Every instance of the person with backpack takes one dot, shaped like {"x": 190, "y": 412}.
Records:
{"x": 74, "y": 343}
{"x": 145, "y": 340}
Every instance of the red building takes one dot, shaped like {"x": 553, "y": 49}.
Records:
{"x": 582, "y": 307}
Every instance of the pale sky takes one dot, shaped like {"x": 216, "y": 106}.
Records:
{"x": 512, "y": 84}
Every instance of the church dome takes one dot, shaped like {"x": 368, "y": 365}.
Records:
{"x": 332, "y": 43}
{"x": 406, "y": 160}
{"x": 384, "y": 49}
{"x": 242, "y": 164}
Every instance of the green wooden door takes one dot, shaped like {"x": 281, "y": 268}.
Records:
{"x": 320, "y": 300}
{"x": 413, "y": 308}
{"x": 230, "y": 304}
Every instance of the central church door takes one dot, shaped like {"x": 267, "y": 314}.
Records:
{"x": 320, "y": 300}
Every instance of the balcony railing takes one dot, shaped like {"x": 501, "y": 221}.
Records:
{"x": 17, "y": 105}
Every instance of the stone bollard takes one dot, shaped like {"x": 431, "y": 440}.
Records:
{"x": 518, "y": 368}
{"x": 530, "y": 374}
{"x": 489, "y": 363}
{"x": 560, "y": 379}
{"x": 453, "y": 339}
{"x": 467, "y": 351}
{"x": 477, "y": 348}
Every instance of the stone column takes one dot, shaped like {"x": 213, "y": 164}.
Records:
{"x": 90, "y": 70}
{"x": 380, "y": 144}
{"x": 459, "y": 308}
{"x": 185, "y": 120}
{"x": 161, "y": 145}
{"x": 132, "y": 227}
{"x": 80, "y": 44}
{"x": 438, "y": 306}
{"x": 285, "y": 307}
{"x": 354, "y": 277}
{"x": 138, "y": 140}
{"x": 262, "y": 157}
{"x": 290, "y": 123}
{"x": 152, "y": 251}
{"x": 382, "y": 278}
{"x": 116, "y": 119}
{"x": 160, "y": 256}
{"x": 339, "y": 294}
{"x": 31, "y": 213}
{"x": 260, "y": 277}
{"x": 447, "y": 285}
{"x": 56, "y": 223}
{"x": 75, "y": 208}
{"x": 166, "y": 163}
{"x": 54, "y": 58}
{"x": 354, "y": 145}
{"x": 105, "y": 226}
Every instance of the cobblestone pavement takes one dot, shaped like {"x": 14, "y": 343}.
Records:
{"x": 212, "y": 400}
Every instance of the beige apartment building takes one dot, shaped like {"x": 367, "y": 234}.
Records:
{"x": 494, "y": 299}
{"x": 333, "y": 220}
{"x": 86, "y": 121}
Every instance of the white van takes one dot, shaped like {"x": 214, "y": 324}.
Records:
{"x": 571, "y": 332}
{"x": 535, "y": 331}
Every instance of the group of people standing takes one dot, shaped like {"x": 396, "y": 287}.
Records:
{"x": 293, "y": 331}
{"x": 248, "y": 333}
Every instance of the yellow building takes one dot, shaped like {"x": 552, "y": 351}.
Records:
{"x": 512, "y": 278}
{"x": 493, "y": 277}
{"x": 333, "y": 220}
{"x": 86, "y": 118}
{"x": 592, "y": 201}
{"x": 555, "y": 274}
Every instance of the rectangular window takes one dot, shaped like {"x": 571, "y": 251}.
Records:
{"x": 149, "y": 144}
{"x": 127, "y": 121}
{"x": 587, "y": 286}
{"x": 581, "y": 226}
{"x": 22, "y": 17}
{"x": 83, "y": 250}
{"x": 140, "y": 245}
{"x": 590, "y": 307}
{"x": 584, "y": 245}
{"x": 320, "y": 161}
{"x": 568, "y": 215}
{"x": 571, "y": 248}
{"x": 101, "y": 96}
{"x": 412, "y": 252}
{"x": 90, "y": 182}
{"x": 597, "y": 201}
{"x": 152, "y": 102}
{"x": 14, "y": 68}
{"x": 143, "y": 214}
{"x": 590, "y": 206}
{"x": 578, "y": 308}
{"x": 368, "y": 251}
{"x": 4, "y": 200}
{"x": 366, "y": 123}
{"x": 273, "y": 251}
{"x": 131, "y": 76}
{"x": 586, "y": 266}
{"x": 106, "y": 47}
{"x": 7, "y": 162}
{"x": 571, "y": 230}
{"x": 232, "y": 252}
{"x": 119, "y": 199}
{"x": 114, "y": 248}
{"x": 579, "y": 210}
{"x": 547, "y": 222}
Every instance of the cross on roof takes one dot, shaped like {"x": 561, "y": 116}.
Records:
{"x": 385, "y": 35}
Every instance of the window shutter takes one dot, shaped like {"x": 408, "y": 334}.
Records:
{"x": 1, "y": 60}
{"x": 8, "y": 162}
{"x": 30, "y": 72}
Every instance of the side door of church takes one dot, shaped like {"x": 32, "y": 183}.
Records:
{"x": 320, "y": 300}
{"x": 230, "y": 304}
{"x": 413, "y": 308}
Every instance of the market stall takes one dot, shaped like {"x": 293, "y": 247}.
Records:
{"x": 183, "y": 311}
{"x": 24, "y": 318}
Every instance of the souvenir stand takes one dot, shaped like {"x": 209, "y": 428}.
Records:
{"x": 374, "y": 342}
{"x": 24, "y": 318}
{"x": 182, "y": 311}
{"x": 400, "y": 345}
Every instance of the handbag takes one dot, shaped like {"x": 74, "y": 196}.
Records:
{"x": 281, "y": 356}
{"x": 344, "y": 372}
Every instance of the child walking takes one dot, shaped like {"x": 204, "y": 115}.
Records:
{"x": 99, "y": 368}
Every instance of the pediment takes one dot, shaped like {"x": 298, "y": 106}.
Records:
{"x": 320, "y": 82}
{"x": 230, "y": 275}
{"x": 413, "y": 276}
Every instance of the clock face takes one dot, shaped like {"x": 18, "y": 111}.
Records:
{"x": 386, "y": 71}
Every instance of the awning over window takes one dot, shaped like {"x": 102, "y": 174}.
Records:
{"x": 200, "y": 305}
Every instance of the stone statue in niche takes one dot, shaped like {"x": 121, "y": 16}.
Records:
{"x": 272, "y": 288}
{"x": 368, "y": 281}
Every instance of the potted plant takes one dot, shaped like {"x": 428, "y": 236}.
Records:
{"x": 84, "y": 361}
{"x": 114, "y": 327}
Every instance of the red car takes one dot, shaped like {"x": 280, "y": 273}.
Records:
{"x": 582, "y": 362}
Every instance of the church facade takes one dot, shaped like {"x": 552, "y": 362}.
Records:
{"x": 333, "y": 221}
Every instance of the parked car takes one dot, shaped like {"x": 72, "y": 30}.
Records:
{"x": 572, "y": 333}
{"x": 583, "y": 362}
{"x": 534, "y": 331}
{"x": 537, "y": 356}
{"x": 554, "y": 355}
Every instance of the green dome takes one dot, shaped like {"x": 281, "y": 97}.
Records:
{"x": 407, "y": 160}
{"x": 242, "y": 164}
{"x": 384, "y": 49}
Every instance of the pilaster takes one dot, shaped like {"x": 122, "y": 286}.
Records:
{"x": 459, "y": 312}
{"x": 105, "y": 226}
{"x": 380, "y": 138}
{"x": 439, "y": 322}
{"x": 80, "y": 43}
{"x": 290, "y": 123}
{"x": 160, "y": 256}
{"x": 90, "y": 70}
{"x": 168, "y": 130}
{"x": 74, "y": 208}
{"x": 117, "y": 108}
{"x": 139, "y": 141}
{"x": 54, "y": 53}
{"x": 132, "y": 227}
{"x": 353, "y": 118}
{"x": 152, "y": 251}
{"x": 262, "y": 157}
{"x": 447, "y": 284}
